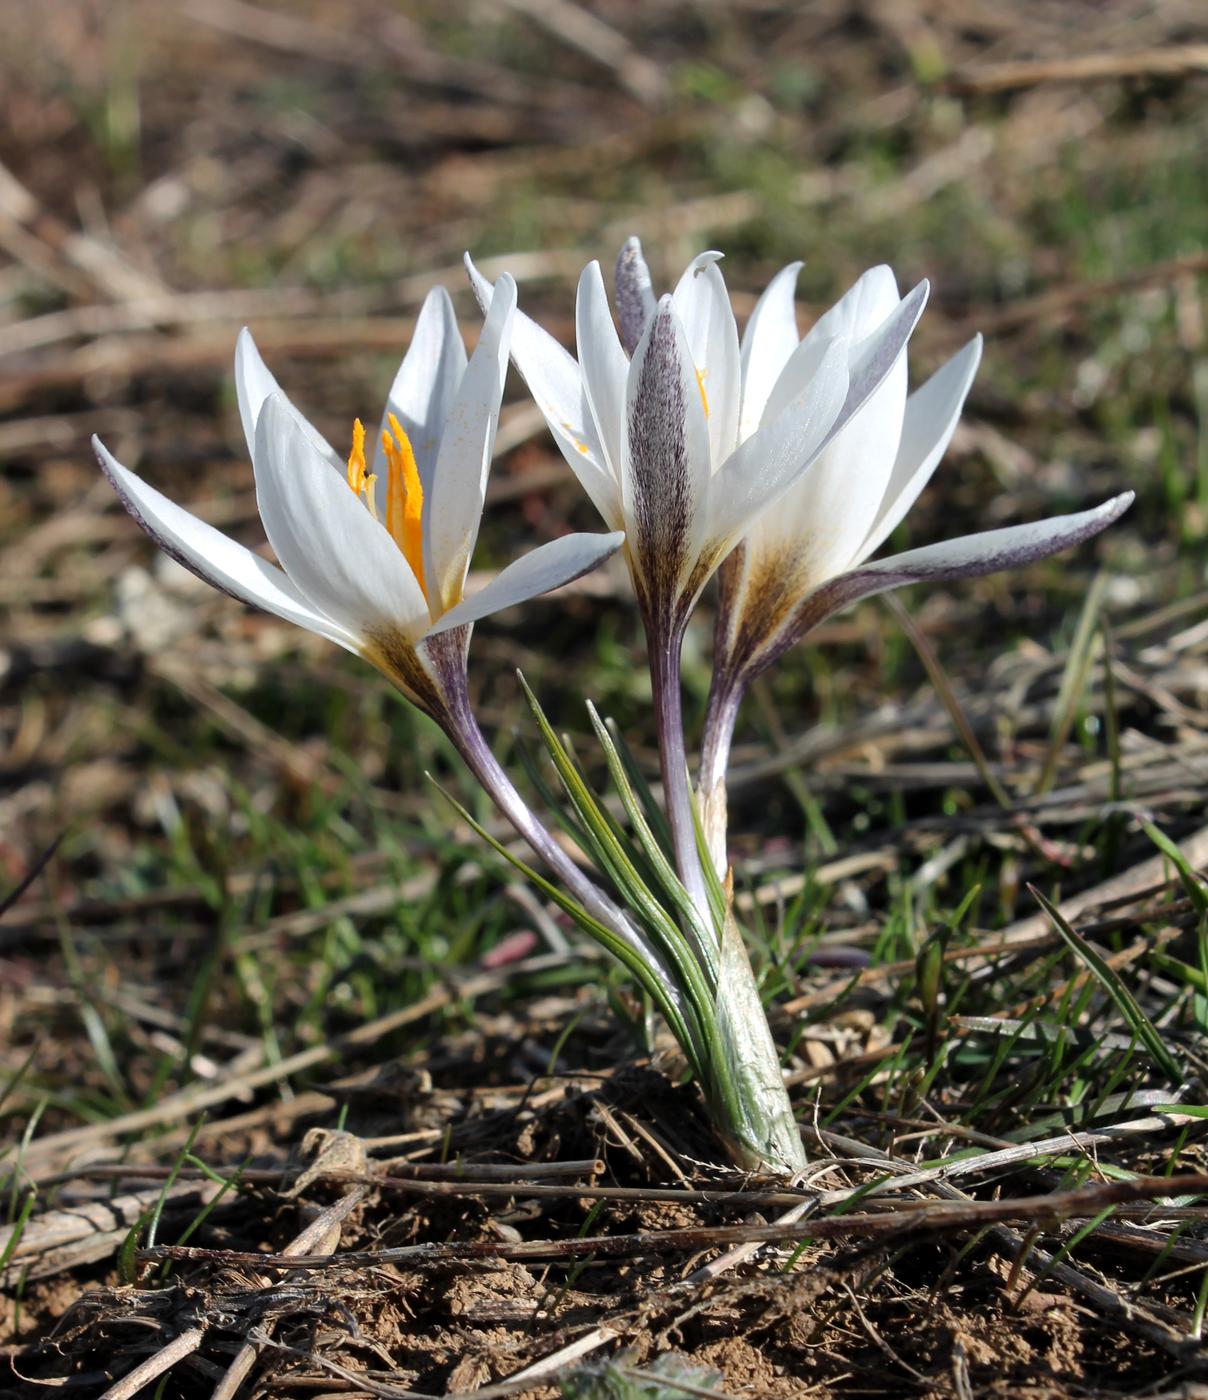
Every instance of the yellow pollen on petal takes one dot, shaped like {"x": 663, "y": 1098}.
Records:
{"x": 700, "y": 384}
{"x": 356, "y": 458}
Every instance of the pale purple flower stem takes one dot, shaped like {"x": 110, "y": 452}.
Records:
{"x": 461, "y": 726}
{"x": 721, "y": 714}
{"x": 673, "y": 759}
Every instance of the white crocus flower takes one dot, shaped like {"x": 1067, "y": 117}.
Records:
{"x": 655, "y": 421}
{"x": 810, "y": 554}
{"x": 375, "y": 558}
{"x": 374, "y": 553}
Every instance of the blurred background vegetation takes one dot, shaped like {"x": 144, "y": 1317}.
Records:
{"x": 249, "y": 849}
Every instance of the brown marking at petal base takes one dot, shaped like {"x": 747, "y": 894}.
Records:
{"x": 399, "y": 661}
{"x": 771, "y": 593}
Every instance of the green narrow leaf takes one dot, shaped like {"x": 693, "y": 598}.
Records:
{"x": 18, "y": 1229}
{"x": 127, "y": 1256}
{"x": 656, "y": 818}
{"x": 609, "y": 847}
{"x": 170, "y": 1181}
{"x": 1073, "y": 682}
{"x": 1124, "y": 1001}
{"x": 689, "y": 1036}
{"x": 1191, "y": 881}
{"x": 663, "y": 870}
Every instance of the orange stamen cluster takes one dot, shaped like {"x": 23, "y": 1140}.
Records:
{"x": 404, "y": 491}
{"x": 700, "y": 384}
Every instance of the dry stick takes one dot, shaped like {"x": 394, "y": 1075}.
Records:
{"x": 76, "y": 262}
{"x": 887, "y": 972}
{"x": 559, "y": 1361}
{"x": 71, "y": 1236}
{"x": 316, "y": 1233}
{"x": 907, "y": 1216}
{"x": 1039, "y": 1260}
{"x": 489, "y": 1182}
{"x": 164, "y": 1359}
{"x": 1049, "y": 306}
{"x": 463, "y": 1173}
{"x": 1174, "y": 61}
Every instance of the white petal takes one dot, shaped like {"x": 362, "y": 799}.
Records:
{"x": 253, "y": 384}
{"x": 424, "y": 387}
{"x": 862, "y": 308}
{"x": 968, "y": 557}
{"x": 825, "y": 517}
{"x": 602, "y": 361}
{"x": 554, "y": 381}
{"x": 930, "y": 420}
{"x": 703, "y": 306}
{"x": 635, "y": 294}
{"x": 666, "y": 465}
{"x": 857, "y": 314}
{"x": 547, "y": 567}
{"x": 971, "y": 556}
{"x": 874, "y": 358}
{"x": 769, "y": 339}
{"x": 212, "y": 556}
{"x": 340, "y": 558}
{"x": 769, "y": 461}
{"x": 453, "y": 509}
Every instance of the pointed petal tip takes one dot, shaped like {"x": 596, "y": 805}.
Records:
{"x": 972, "y": 352}
{"x": 113, "y": 470}
{"x": 919, "y": 292}
{"x": 590, "y": 273}
{"x": 245, "y": 347}
{"x": 479, "y": 285}
{"x": 437, "y": 294}
{"x": 107, "y": 462}
{"x": 503, "y": 305}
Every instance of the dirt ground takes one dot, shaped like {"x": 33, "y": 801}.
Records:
{"x": 299, "y": 1097}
